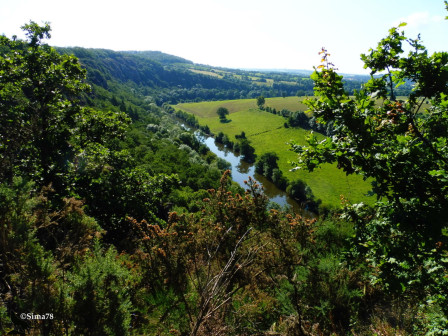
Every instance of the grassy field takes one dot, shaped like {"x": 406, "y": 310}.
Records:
{"x": 290, "y": 103}
{"x": 208, "y": 73}
{"x": 267, "y": 134}
{"x": 208, "y": 109}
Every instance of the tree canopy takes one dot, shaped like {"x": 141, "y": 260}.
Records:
{"x": 222, "y": 112}
{"x": 39, "y": 101}
{"x": 260, "y": 102}
{"x": 401, "y": 147}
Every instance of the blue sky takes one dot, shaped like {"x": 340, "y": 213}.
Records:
{"x": 234, "y": 33}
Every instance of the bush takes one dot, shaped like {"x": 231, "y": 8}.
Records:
{"x": 279, "y": 180}
{"x": 299, "y": 190}
{"x": 99, "y": 287}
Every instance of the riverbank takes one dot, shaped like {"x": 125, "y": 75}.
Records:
{"x": 266, "y": 133}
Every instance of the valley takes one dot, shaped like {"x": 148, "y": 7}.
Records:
{"x": 119, "y": 217}
{"x": 266, "y": 133}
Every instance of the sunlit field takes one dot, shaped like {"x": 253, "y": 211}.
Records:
{"x": 267, "y": 133}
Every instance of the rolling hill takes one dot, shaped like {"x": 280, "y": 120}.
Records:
{"x": 171, "y": 79}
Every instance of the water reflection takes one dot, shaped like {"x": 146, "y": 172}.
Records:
{"x": 241, "y": 170}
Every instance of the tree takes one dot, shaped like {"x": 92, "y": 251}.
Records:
{"x": 38, "y": 89}
{"x": 219, "y": 137}
{"x": 101, "y": 296}
{"x": 240, "y": 136}
{"x": 401, "y": 147}
{"x": 266, "y": 164}
{"x": 278, "y": 179}
{"x": 260, "y": 102}
{"x": 246, "y": 150}
{"x": 300, "y": 191}
{"x": 222, "y": 113}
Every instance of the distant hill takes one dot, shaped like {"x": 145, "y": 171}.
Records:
{"x": 165, "y": 78}
{"x": 160, "y": 57}
{"x": 139, "y": 68}
{"x": 289, "y": 71}
{"x": 171, "y": 79}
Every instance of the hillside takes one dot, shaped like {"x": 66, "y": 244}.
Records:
{"x": 170, "y": 79}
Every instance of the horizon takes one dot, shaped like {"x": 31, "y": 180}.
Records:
{"x": 234, "y": 34}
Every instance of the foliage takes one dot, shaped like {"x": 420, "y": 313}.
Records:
{"x": 236, "y": 268}
{"x": 222, "y": 113}
{"x": 246, "y": 150}
{"x": 300, "y": 191}
{"x": 38, "y": 89}
{"x": 266, "y": 164}
{"x": 188, "y": 118}
{"x": 169, "y": 79}
{"x": 241, "y": 136}
{"x": 260, "y": 102}
{"x": 402, "y": 148}
{"x": 100, "y": 289}
{"x": 30, "y": 278}
{"x": 55, "y": 152}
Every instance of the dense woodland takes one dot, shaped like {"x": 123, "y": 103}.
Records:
{"x": 115, "y": 220}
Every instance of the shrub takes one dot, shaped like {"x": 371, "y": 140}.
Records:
{"x": 100, "y": 288}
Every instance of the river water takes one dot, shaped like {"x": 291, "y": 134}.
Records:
{"x": 241, "y": 171}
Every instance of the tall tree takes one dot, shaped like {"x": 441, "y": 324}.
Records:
{"x": 260, "y": 102}
{"x": 38, "y": 90}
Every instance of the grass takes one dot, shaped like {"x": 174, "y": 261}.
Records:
{"x": 251, "y": 121}
{"x": 289, "y": 103}
{"x": 267, "y": 134}
{"x": 207, "y": 73}
{"x": 327, "y": 183}
{"x": 208, "y": 109}
{"x": 286, "y": 82}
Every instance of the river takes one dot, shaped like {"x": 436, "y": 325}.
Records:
{"x": 241, "y": 171}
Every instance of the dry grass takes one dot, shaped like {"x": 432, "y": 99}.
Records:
{"x": 207, "y": 73}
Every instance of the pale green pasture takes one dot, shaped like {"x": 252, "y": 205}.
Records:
{"x": 252, "y": 122}
{"x": 267, "y": 134}
{"x": 208, "y": 109}
{"x": 269, "y": 82}
{"x": 327, "y": 183}
{"x": 207, "y": 73}
{"x": 289, "y": 103}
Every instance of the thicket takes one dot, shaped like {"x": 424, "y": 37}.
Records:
{"x": 302, "y": 120}
{"x": 70, "y": 177}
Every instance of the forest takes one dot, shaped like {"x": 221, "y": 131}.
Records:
{"x": 169, "y": 79}
{"x": 116, "y": 220}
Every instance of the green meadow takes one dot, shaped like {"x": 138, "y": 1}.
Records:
{"x": 267, "y": 133}
{"x": 208, "y": 109}
{"x": 289, "y": 103}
